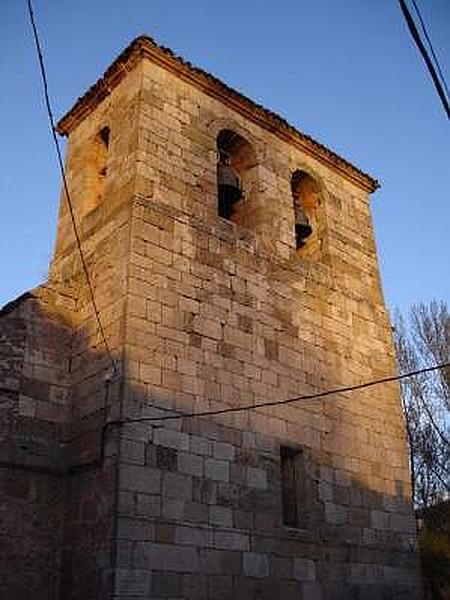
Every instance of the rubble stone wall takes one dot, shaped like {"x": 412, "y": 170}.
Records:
{"x": 35, "y": 405}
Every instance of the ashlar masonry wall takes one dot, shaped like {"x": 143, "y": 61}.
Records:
{"x": 202, "y": 313}
{"x": 58, "y": 539}
{"x": 221, "y": 316}
{"x": 101, "y": 187}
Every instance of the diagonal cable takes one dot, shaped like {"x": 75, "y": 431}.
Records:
{"x": 316, "y": 396}
{"x": 416, "y": 37}
{"x": 430, "y": 45}
{"x": 64, "y": 179}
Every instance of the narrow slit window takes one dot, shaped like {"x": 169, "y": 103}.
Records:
{"x": 290, "y": 484}
{"x": 97, "y": 173}
{"x": 103, "y": 154}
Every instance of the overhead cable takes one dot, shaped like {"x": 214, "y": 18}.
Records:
{"x": 65, "y": 184}
{"x": 430, "y": 45}
{"x": 306, "y": 397}
{"x": 420, "y": 45}
{"x": 99, "y": 460}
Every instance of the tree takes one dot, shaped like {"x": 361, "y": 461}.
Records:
{"x": 424, "y": 340}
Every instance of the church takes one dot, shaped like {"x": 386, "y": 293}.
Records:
{"x": 165, "y": 432}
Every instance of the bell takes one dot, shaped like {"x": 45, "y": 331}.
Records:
{"x": 302, "y": 227}
{"x": 229, "y": 189}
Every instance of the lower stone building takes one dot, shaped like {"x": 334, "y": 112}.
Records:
{"x": 233, "y": 266}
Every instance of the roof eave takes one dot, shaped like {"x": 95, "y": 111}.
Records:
{"x": 146, "y": 47}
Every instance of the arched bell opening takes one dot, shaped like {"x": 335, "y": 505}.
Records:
{"x": 306, "y": 199}
{"x": 236, "y": 160}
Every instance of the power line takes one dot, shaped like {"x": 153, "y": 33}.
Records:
{"x": 416, "y": 37}
{"x": 235, "y": 409}
{"x": 98, "y": 461}
{"x": 427, "y": 37}
{"x": 431, "y": 419}
{"x": 64, "y": 179}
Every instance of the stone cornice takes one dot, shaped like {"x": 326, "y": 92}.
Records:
{"x": 145, "y": 47}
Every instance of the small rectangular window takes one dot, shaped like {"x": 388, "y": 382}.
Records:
{"x": 290, "y": 484}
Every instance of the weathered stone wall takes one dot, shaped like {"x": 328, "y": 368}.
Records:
{"x": 200, "y": 314}
{"x": 34, "y": 400}
{"x": 66, "y": 394}
{"x": 104, "y": 225}
{"x": 57, "y": 494}
{"x": 221, "y": 316}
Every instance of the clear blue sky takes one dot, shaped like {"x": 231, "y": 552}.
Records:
{"x": 344, "y": 71}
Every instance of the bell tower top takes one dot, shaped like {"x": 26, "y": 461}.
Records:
{"x": 144, "y": 47}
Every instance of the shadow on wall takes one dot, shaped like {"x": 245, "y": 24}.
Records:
{"x": 218, "y": 507}
{"x": 46, "y": 505}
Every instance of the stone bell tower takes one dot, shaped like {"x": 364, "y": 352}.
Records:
{"x": 212, "y": 299}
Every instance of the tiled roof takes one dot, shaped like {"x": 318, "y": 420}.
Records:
{"x": 10, "y": 306}
{"x": 145, "y": 46}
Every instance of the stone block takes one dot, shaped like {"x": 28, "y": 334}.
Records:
{"x": 325, "y": 491}
{"x": 134, "y": 582}
{"x": 220, "y": 562}
{"x": 220, "y": 587}
{"x": 204, "y": 491}
{"x": 194, "y": 536}
{"x": 169, "y": 557}
{"x": 304, "y": 569}
{"x": 165, "y": 532}
{"x": 124, "y": 553}
{"x": 335, "y": 514}
{"x": 140, "y": 479}
{"x": 171, "y": 439}
{"x": 195, "y": 586}
{"x": 166, "y": 458}
{"x": 249, "y": 439}
{"x": 191, "y": 464}
{"x": 148, "y": 506}
{"x": 255, "y": 565}
{"x": 257, "y": 478}
{"x": 218, "y": 470}
{"x": 404, "y": 523}
{"x": 200, "y": 445}
{"x": 135, "y": 529}
{"x": 282, "y": 566}
{"x": 223, "y": 451}
{"x": 166, "y": 585}
{"x": 194, "y": 512}
{"x": 150, "y": 373}
{"x": 177, "y": 485}
{"x": 379, "y": 519}
{"x": 132, "y": 452}
{"x": 231, "y": 540}
{"x": 173, "y": 508}
{"x": 207, "y": 328}
{"x": 313, "y": 591}
{"x": 221, "y": 516}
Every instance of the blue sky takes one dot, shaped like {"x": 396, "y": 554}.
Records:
{"x": 345, "y": 72}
